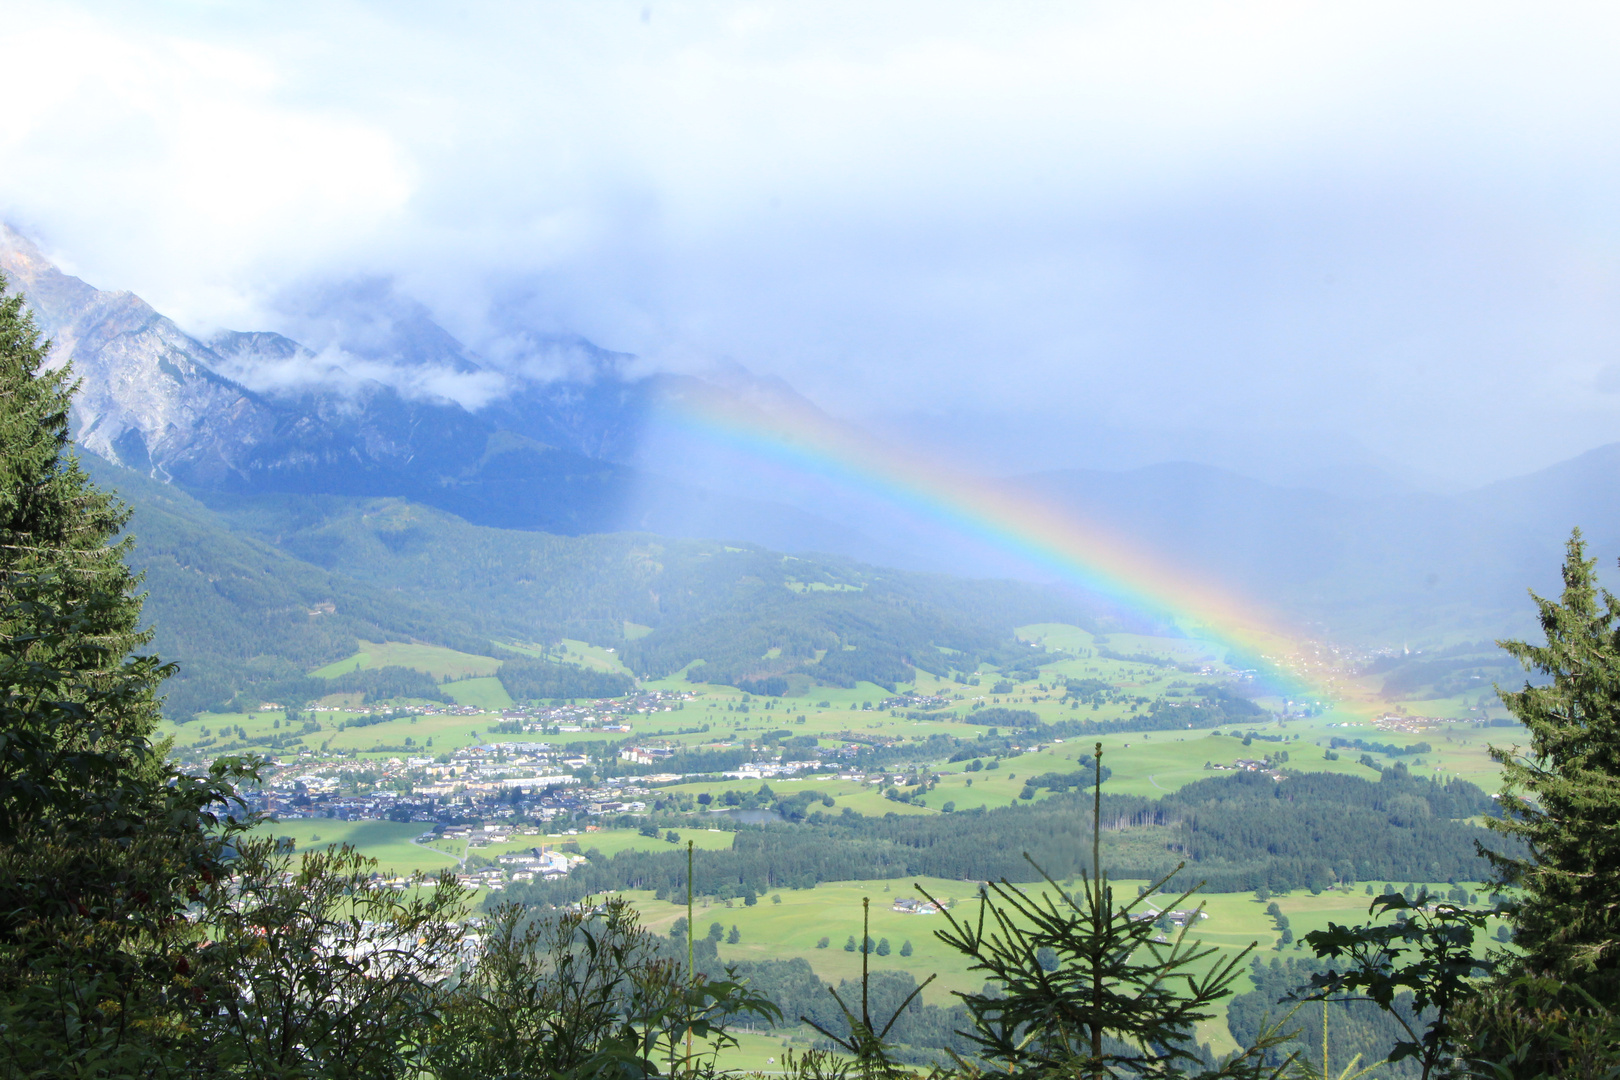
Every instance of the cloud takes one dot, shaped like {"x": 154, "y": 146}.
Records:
{"x": 299, "y": 370}
{"x": 1392, "y": 225}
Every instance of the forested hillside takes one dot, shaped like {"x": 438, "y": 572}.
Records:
{"x": 241, "y": 616}
{"x": 249, "y": 594}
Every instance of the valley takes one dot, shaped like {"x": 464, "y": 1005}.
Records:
{"x": 437, "y": 787}
{"x": 543, "y": 669}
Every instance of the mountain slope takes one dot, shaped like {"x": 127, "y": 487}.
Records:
{"x": 554, "y": 455}
{"x": 251, "y": 593}
{"x": 237, "y": 614}
{"x": 149, "y": 396}
{"x": 537, "y": 587}
{"x": 580, "y": 452}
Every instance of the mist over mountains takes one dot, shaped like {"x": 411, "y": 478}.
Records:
{"x": 563, "y": 437}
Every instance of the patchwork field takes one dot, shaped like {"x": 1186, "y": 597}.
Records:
{"x": 791, "y": 923}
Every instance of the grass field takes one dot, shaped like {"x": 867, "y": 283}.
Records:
{"x": 832, "y": 910}
{"x": 595, "y": 657}
{"x": 389, "y": 842}
{"x": 790, "y": 923}
{"x": 433, "y": 659}
{"x": 484, "y": 693}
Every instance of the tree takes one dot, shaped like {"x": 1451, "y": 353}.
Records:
{"x": 1116, "y": 1002}
{"x": 1427, "y": 952}
{"x": 733, "y": 937}
{"x": 587, "y": 993}
{"x": 77, "y": 709}
{"x": 317, "y": 966}
{"x": 1561, "y": 797}
{"x": 905, "y": 947}
{"x": 883, "y": 947}
{"x": 101, "y": 842}
{"x": 849, "y": 946}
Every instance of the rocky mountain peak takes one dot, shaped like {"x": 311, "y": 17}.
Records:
{"x": 150, "y": 397}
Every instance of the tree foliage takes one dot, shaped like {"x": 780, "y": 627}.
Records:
{"x": 102, "y": 844}
{"x": 530, "y": 680}
{"x": 1236, "y": 833}
{"x": 1561, "y": 795}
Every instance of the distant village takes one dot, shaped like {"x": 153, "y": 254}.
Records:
{"x": 500, "y": 793}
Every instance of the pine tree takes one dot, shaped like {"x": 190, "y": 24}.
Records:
{"x": 1115, "y": 1002}
{"x": 101, "y": 842}
{"x": 77, "y": 713}
{"x": 78, "y": 708}
{"x": 1562, "y": 796}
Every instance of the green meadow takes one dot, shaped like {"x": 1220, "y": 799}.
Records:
{"x": 791, "y": 923}
{"x": 435, "y": 660}
{"x": 795, "y": 926}
{"x": 608, "y": 842}
{"x": 391, "y": 843}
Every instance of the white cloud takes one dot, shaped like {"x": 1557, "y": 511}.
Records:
{"x": 1395, "y": 222}
{"x": 335, "y": 369}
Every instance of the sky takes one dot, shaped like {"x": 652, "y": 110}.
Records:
{"x": 1298, "y": 240}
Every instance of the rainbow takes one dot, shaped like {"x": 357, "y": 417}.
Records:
{"x": 803, "y": 441}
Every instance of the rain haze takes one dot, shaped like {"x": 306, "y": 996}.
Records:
{"x": 1340, "y": 244}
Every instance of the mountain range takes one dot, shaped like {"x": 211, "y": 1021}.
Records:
{"x": 393, "y": 406}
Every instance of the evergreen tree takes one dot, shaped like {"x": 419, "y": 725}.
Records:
{"x": 101, "y": 842}
{"x": 1561, "y": 797}
{"x": 1115, "y": 1002}
{"x": 78, "y": 713}
{"x": 78, "y": 767}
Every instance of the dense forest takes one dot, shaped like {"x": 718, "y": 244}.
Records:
{"x": 1236, "y": 833}
{"x": 243, "y": 617}
{"x": 528, "y": 679}
{"x": 386, "y": 684}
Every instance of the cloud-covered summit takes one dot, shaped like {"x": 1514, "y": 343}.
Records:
{"x": 1282, "y": 228}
